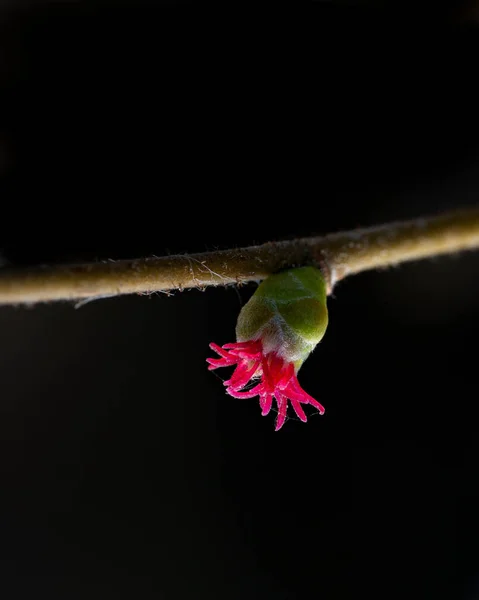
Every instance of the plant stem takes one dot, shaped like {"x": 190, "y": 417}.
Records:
{"x": 337, "y": 255}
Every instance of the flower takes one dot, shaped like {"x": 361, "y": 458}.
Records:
{"x": 277, "y": 378}
{"x": 276, "y": 331}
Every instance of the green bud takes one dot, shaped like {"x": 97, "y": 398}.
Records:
{"x": 288, "y": 313}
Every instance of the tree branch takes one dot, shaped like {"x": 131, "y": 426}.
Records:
{"x": 337, "y": 255}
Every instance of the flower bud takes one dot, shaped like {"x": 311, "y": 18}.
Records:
{"x": 288, "y": 313}
{"x": 276, "y": 331}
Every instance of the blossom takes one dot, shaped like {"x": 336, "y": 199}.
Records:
{"x": 277, "y": 378}
{"x": 276, "y": 331}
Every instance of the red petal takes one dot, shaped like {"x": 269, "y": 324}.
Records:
{"x": 283, "y": 407}
{"x": 242, "y": 375}
{"x": 276, "y": 368}
{"x": 266, "y": 401}
{"x": 249, "y": 394}
{"x": 286, "y": 377}
{"x": 249, "y": 348}
{"x": 298, "y": 409}
{"x": 245, "y": 355}
{"x": 216, "y": 363}
{"x": 296, "y": 391}
{"x": 219, "y": 350}
{"x": 268, "y": 381}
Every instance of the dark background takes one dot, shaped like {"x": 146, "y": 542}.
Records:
{"x": 125, "y": 471}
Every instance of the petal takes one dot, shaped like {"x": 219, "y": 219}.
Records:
{"x": 266, "y": 401}
{"x": 288, "y": 373}
{"x": 254, "y": 346}
{"x": 298, "y": 409}
{"x": 242, "y": 375}
{"x": 296, "y": 391}
{"x": 243, "y": 395}
{"x": 267, "y": 378}
{"x": 317, "y": 405}
{"x": 216, "y": 363}
{"x": 245, "y": 355}
{"x": 283, "y": 407}
{"x": 276, "y": 368}
{"x": 219, "y": 350}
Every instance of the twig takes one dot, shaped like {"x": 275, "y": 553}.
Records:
{"x": 338, "y": 255}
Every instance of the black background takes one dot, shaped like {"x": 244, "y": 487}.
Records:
{"x": 126, "y": 472}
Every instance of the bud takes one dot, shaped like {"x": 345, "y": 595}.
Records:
{"x": 276, "y": 331}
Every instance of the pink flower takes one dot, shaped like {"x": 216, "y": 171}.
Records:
{"x": 274, "y": 378}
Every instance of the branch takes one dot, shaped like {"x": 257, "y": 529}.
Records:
{"x": 337, "y": 255}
